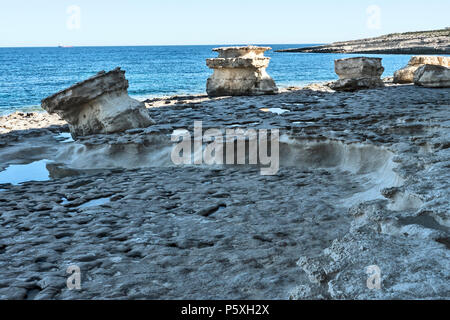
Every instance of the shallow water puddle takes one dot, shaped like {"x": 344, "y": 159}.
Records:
{"x": 236, "y": 125}
{"x": 17, "y": 174}
{"x": 305, "y": 122}
{"x": 64, "y": 137}
{"x": 274, "y": 110}
{"x": 95, "y": 203}
{"x": 424, "y": 221}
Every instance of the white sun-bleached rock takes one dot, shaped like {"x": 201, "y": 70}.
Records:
{"x": 240, "y": 71}
{"x": 358, "y": 73}
{"x": 100, "y": 104}
{"x": 406, "y": 74}
{"x": 360, "y": 67}
{"x": 432, "y": 76}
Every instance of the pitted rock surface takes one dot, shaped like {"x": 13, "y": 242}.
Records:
{"x": 199, "y": 232}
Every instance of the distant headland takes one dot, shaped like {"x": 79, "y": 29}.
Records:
{"x": 419, "y": 42}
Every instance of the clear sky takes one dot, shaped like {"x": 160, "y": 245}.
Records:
{"x": 174, "y": 22}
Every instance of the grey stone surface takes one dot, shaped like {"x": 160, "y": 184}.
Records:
{"x": 356, "y": 84}
{"x": 432, "y": 76}
{"x": 363, "y": 181}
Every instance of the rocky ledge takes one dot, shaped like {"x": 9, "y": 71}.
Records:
{"x": 421, "y": 42}
{"x": 363, "y": 186}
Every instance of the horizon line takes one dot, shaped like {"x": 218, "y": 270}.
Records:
{"x": 154, "y": 45}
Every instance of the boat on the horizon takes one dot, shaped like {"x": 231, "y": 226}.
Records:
{"x": 65, "y": 46}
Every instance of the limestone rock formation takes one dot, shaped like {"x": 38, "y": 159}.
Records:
{"x": 432, "y": 76}
{"x": 406, "y": 75}
{"x": 360, "y": 67}
{"x": 240, "y": 71}
{"x": 100, "y": 104}
{"x": 358, "y": 73}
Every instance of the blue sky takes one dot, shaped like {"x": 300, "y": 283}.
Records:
{"x": 174, "y": 22}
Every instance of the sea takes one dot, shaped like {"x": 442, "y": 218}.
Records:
{"x": 28, "y": 75}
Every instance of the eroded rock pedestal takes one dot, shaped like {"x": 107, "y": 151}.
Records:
{"x": 240, "y": 71}
{"x": 358, "y": 73}
{"x": 406, "y": 75}
{"x": 100, "y": 104}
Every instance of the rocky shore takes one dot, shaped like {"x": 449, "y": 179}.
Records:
{"x": 421, "y": 42}
{"x": 364, "y": 181}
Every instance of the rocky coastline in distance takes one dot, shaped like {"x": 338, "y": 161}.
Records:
{"x": 419, "y": 42}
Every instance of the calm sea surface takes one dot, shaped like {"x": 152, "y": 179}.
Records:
{"x": 27, "y": 75}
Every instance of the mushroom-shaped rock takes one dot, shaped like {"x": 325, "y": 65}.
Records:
{"x": 240, "y": 71}
{"x": 358, "y": 73}
{"x": 406, "y": 75}
{"x": 432, "y": 76}
{"x": 99, "y": 105}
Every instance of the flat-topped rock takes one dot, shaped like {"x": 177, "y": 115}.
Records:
{"x": 240, "y": 71}
{"x": 434, "y": 60}
{"x": 100, "y": 104}
{"x": 360, "y": 67}
{"x": 358, "y": 73}
{"x": 406, "y": 75}
{"x": 432, "y": 76}
{"x": 241, "y": 52}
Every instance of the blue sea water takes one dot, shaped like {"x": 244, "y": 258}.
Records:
{"x": 27, "y": 75}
